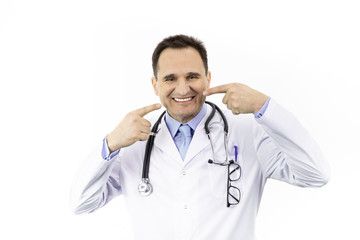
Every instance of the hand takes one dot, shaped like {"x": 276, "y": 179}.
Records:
{"x": 239, "y": 98}
{"x": 131, "y": 129}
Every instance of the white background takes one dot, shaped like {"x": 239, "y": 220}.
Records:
{"x": 70, "y": 70}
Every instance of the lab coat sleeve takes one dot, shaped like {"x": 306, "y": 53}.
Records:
{"x": 95, "y": 184}
{"x": 286, "y": 151}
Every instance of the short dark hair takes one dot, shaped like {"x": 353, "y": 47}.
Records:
{"x": 178, "y": 42}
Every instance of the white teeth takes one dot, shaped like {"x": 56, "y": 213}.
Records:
{"x": 182, "y": 99}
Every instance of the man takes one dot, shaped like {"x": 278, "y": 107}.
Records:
{"x": 195, "y": 194}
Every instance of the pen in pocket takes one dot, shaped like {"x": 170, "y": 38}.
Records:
{"x": 236, "y": 152}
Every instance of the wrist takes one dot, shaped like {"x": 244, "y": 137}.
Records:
{"x": 109, "y": 142}
{"x": 260, "y": 102}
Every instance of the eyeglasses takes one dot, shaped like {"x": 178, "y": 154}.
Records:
{"x": 233, "y": 193}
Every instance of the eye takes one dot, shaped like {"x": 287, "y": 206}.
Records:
{"x": 169, "y": 79}
{"x": 193, "y": 77}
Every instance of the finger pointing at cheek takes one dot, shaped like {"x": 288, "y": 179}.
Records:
{"x": 134, "y": 127}
{"x": 215, "y": 90}
{"x": 239, "y": 98}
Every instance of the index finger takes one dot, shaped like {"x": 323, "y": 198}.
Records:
{"x": 145, "y": 110}
{"x": 217, "y": 89}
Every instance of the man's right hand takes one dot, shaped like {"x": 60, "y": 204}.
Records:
{"x": 134, "y": 127}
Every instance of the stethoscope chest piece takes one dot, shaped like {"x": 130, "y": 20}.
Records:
{"x": 145, "y": 188}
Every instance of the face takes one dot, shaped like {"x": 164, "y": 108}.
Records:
{"x": 180, "y": 82}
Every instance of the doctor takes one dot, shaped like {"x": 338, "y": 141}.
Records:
{"x": 204, "y": 187}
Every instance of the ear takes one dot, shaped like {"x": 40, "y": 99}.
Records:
{"x": 154, "y": 83}
{"x": 208, "y": 79}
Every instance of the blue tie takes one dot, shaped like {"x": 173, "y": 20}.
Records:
{"x": 185, "y": 131}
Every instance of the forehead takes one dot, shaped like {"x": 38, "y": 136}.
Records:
{"x": 178, "y": 61}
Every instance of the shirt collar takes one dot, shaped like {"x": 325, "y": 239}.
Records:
{"x": 173, "y": 125}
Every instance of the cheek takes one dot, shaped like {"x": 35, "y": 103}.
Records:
{"x": 164, "y": 91}
{"x": 200, "y": 86}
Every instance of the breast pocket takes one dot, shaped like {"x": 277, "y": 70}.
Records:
{"x": 222, "y": 177}
{"x": 217, "y": 176}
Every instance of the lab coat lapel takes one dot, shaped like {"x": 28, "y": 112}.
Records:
{"x": 198, "y": 143}
{"x": 164, "y": 141}
{"x": 200, "y": 140}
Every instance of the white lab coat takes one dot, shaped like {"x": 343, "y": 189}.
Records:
{"x": 189, "y": 198}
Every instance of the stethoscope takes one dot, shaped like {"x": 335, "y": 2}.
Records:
{"x": 145, "y": 188}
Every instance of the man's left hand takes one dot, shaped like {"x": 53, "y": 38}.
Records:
{"x": 239, "y": 98}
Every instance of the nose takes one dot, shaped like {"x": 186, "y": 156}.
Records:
{"x": 182, "y": 87}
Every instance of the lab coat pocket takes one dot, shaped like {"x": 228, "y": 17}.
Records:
{"x": 217, "y": 176}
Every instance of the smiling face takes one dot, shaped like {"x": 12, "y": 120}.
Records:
{"x": 181, "y": 80}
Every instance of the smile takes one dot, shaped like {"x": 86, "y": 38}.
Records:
{"x": 183, "y": 99}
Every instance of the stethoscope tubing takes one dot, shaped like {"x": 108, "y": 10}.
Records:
{"x": 215, "y": 108}
{"x": 145, "y": 188}
{"x": 149, "y": 146}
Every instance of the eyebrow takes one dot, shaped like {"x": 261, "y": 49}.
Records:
{"x": 193, "y": 74}
{"x": 169, "y": 76}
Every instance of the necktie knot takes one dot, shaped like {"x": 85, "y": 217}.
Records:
{"x": 185, "y": 130}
